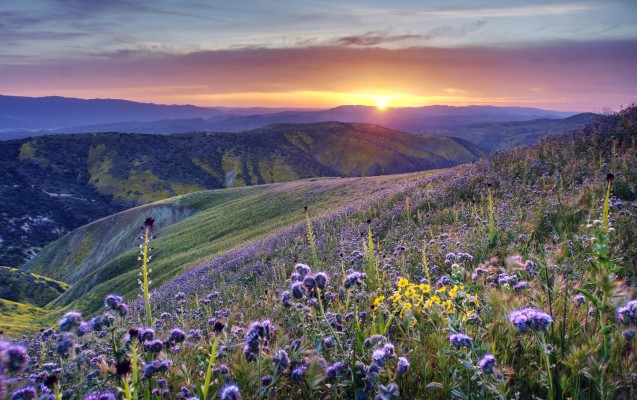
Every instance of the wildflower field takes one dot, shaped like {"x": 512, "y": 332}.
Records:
{"x": 510, "y": 278}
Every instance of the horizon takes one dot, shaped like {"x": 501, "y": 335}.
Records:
{"x": 379, "y": 108}
{"x": 554, "y": 55}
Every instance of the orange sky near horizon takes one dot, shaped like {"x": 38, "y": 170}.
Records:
{"x": 569, "y": 55}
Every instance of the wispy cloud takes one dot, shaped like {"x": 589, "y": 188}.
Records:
{"x": 373, "y": 38}
{"x": 580, "y": 75}
{"x": 520, "y": 11}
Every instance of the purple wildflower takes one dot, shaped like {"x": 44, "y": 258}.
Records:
{"x": 64, "y": 343}
{"x": 521, "y": 286}
{"x": 389, "y": 392}
{"x": 146, "y": 334}
{"x": 100, "y": 396}
{"x": 154, "y": 346}
{"x": 302, "y": 270}
{"x": 378, "y": 356}
{"x": 112, "y": 301}
{"x": 230, "y": 392}
{"x": 309, "y": 281}
{"x": 297, "y": 373}
{"x": 14, "y": 357}
{"x": 627, "y": 313}
{"x": 487, "y": 363}
{"x": 280, "y": 360}
{"x": 530, "y": 318}
{"x": 629, "y": 334}
{"x": 177, "y": 335}
{"x": 321, "y": 279}
{"x": 298, "y": 290}
{"x": 70, "y": 321}
{"x": 25, "y": 393}
{"x": 403, "y": 366}
{"x": 579, "y": 299}
{"x": 459, "y": 340}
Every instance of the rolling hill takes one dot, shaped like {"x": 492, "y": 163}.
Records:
{"x": 50, "y": 185}
{"x": 22, "y": 287}
{"x": 193, "y": 229}
{"x": 497, "y": 135}
{"x": 452, "y": 283}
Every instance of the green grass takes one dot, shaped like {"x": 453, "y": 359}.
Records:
{"x": 476, "y": 232}
{"x": 18, "y": 318}
{"x": 45, "y": 193}
{"x": 192, "y": 229}
{"x": 23, "y": 287}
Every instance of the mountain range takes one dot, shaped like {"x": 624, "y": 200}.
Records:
{"x": 23, "y": 117}
{"x": 50, "y": 185}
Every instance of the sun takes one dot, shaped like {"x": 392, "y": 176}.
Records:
{"x": 381, "y": 104}
{"x": 382, "y": 101}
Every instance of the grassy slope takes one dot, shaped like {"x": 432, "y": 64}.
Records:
{"x": 46, "y": 194}
{"x": 192, "y": 229}
{"x": 18, "y": 318}
{"x": 543, "y": 197}
{"x": 22, "y": 287}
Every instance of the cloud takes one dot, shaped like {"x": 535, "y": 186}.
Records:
{"x": 579, "y": 75}
{"x": 520, "y": 11}
{"x": 373, "y": 38}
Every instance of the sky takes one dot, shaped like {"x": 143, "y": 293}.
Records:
{"x": 562, "y": 55}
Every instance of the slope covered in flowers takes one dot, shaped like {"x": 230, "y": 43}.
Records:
{"x": 511, "y": 277}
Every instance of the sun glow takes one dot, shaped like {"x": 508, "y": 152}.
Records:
{"x": 319, "y": 99}
{"x": 381, "y": 104}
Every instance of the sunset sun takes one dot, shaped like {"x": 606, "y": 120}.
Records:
{"x": 381, "y": 104}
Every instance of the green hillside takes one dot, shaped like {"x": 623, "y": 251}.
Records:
{"x": 101, "y": 257}
{"x": 21, "y": 287}
{"x": 19, "y": 318}
{"x": 511, "y": 277}
{"x": 53, "y": 184}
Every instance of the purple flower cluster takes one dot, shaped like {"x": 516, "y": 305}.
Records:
{"x": 403, "y": 366}
{"x": 70, "y": 321}
{"x": 280, "y": 360}
{"x": 530, "y": 267}
{"x": 354, "y": 278}
{"x": 25, "y": 393}
{"x": 116, "y": 303}
{"x": 156, "y": 366}
{"x": 487, "y": 363}
{"x": 258, "y": 332}
{"x": 13, "y": 358}
{"x": 627, "y": 314}
{"x": 459, "y": 340}
{"x": 100, "y": 396}
{"x": 230, "y": 392}
{"x": 530, "y": 318}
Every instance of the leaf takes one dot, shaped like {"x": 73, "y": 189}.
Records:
{"x": 455, "y": 393}
{"x": 434, "y": 385}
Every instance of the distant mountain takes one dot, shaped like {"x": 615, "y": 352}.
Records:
{"x": 494, "y": 135}
{"x": 51, "y": 113}
{"x": 52, "y": 184}
{"x": 23, "y": 116}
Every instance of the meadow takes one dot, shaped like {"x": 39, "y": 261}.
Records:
{"x": 508, "y": 278}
